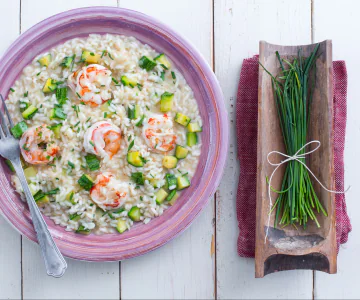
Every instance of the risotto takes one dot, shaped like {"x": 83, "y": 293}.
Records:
{"x": 109, "y": 130}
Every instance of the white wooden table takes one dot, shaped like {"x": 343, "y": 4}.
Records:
{"x": 203, "y": 263}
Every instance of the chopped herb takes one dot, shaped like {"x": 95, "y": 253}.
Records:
{"x": 61, "y": 95}
{"x": 25, "y": 147}
{"x": 48, "y": 157}
{"x": 113, "y": 79}
{"x": 91, "y": 143}
{"x": 57, "y": 178}
{"x": 72, "y": 166}
{"x": 11, "y": 89}
{"x": 105, "y": 114}
{"x": 138, "y": 178}
{"x": 147, "y": 107}
{"x": 139, "y": 86}
{"x": 152, "y": 175}
{"x": 92, "y": 53}
{"x": 143, "y": 160}
{"x": 82, "y": 103}
{"x": 141, "y": 198}
{"x": 26, "y": 94}
{"x": 137, "y": 187}
{"x": 78, "y": 94}
{"x": 77, "y": 124}
{"x": 78, "y": 130}
{"x": 129, "y": 138}
{"x": 88, "y": 119}
{"x": 52, "y": 165}
{"x": 38, "y": 74}
{"x": 41, "y": 105}
{"x": 173, "y": 75}
{"x": 155, "y": 146}
{"x": 103, "y": 53}
{"x": 76, "y": 109}
{"x": 165, "y": 67}
{"x": 131, "y": 145}
{"x": 110, "y": 56}
{"x": 53, "y": 192}
{"x": 138, "y": 124}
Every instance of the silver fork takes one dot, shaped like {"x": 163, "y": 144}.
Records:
{"x": 9, "y": 148}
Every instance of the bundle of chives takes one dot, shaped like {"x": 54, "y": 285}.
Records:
{"x": 297, "y": 201}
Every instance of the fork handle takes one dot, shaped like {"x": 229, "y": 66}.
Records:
{"x": 54, "y": 262}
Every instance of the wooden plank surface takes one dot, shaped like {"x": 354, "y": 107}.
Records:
{"x": 182, "y": 269}
{"x": 339, "y": 24}
{"x": 239, "y": 25}
{"x": 10, "y": 246}
{"x": 82, "y": 280}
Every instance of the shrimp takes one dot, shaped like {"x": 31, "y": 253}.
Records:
{"x": 91, "y": 84}
{"x": 38, "y": 146}
{"x": 102, "y": 139}
{"x": 158, "y": 132}
{"x": 108, "y": 192}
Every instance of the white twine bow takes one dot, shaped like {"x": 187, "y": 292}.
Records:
{"x": 296, "y": 157}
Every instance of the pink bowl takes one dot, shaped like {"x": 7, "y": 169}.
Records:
{"x": 141, "y": 238}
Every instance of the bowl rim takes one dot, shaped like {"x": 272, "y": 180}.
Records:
{"x": 210, "y": 81}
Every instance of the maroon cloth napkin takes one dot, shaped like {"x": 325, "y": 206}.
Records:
{"x": 246, "y": 125}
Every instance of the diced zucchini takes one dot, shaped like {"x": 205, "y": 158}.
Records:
{"x": 171, "y": 195}
{"x": 33, "y": 188}
{"x": 182, "y": 119}
{"x": 162, "y": 59}
{"x": 166, "y": 102}
{"x": 181, "y": 152}
{"x": 19, "y": 129}
{"x": 128, "y": 82}
{"x": 134, "y": 112}
{"x": 173, "y": 199}
{"x": 194, "y": 127}
{"x": 30, "y": 172}
{"x": 92, "y": 162}
{"x": 134, "y": 214}
{"x": 160, "y": 196}
{"x": 29, "y": 112}
{"x": 67, "y": 61}
{"x": 41, "y": 198}
{"x": 56, "y": 129}
{"x": 147, "y": 63}
{"x": 70, "y": 197}
{"x": 86, "y": 182}
{"x": 138, "y": 178}
{"x": 10, "y": 165}
{"x": 50, "y": 86}
{"x": 121, "y": 226}
{"x": 45, "y": 60}
{"x": 82, "y": 230}
{"x": 57, "y": 113}
{"x": 191, "y": 139}
{"x": 169, "y": 162}
{"x": 90, "y": 57}
{"x": 170, "y": 181}
{"x": 23, "y": 105}
{"x": 74, "y": 217}
{"x": 182, "y": 182}
{"x": 61, "y": 95}
{"x": 155, "y": 182}
{"x": 134, "y": 158}
{"x": 105, "y": 108}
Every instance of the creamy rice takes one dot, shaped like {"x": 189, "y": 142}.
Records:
{"x": 125, "y": 53}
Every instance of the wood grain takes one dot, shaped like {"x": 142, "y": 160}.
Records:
{"x": 339, "y": 23}
{"x": 316, "y": 246}
{"x": 184, "y": 268}
{"x": 239, "y": 25}
{"x": 10, "y": 247}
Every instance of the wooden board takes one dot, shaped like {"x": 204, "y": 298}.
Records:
{"x": 239, "y": 25}
{"x": 290, "y": 248}
{"x": 338, "y": 24}
{"x": 10, "y": 246}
